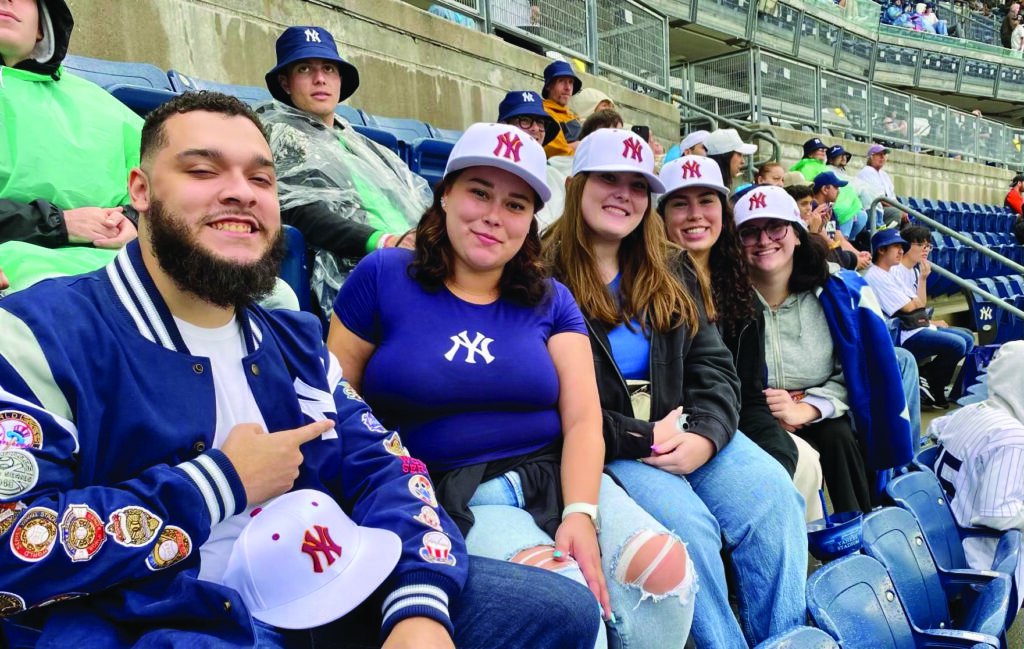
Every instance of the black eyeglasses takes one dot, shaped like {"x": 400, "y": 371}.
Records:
{"x": 925, "y": 246}
{"x": 750, "y": 235}
{"x": 526, "y": 122}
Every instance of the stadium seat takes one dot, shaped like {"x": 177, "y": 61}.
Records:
{"x": 249, "y": 94}
{"x": 139, "y": 86}
{"x": 986, "y": 315}
{"x": 925, "y": 458}
{"x": 853, "y": 600}
{"x": 803, "y": 637}
{"x": 448, "y": 135}
{"x": 428, "y": 157}
{"x": 406, "y": 131}
{"x": 351, "y": 115}
{"x": 381, "y": 137}
{"x": 1001, "y": 319}
{"x": 893, "y": 537}
{"x": 921, "y": 494}
{"x": 294, "y": 269}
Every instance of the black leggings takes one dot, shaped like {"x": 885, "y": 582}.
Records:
{"x": 841, "y": 463}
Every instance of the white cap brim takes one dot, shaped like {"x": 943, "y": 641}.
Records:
{"x": 746, "y": 149}
{"x": 653, "y": 182}
{"x": 539, "y": 185}
{"x": 376, "y": 556}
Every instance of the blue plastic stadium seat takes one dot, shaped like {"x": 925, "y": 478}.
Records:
{"x": 925, "y": 458}
{"x": 1002, "y": 320}
{"x": 986, "y": 315}
{"x": 448, "y": 135}
{"x": 428, "y": 157}
{"x": 921, "y": 494}
{"x": 139, "y": 86}
{"x": 853, "y": 600}
{"x": 803, "y": 637}
{"x": 294, "y": 269}
{"x": 382, "y": 137}
{"x": 406, "y": 131}
{"x": 893, "y": 537}
{"x": 351, "y": 115}
{"x": 249, "y": 94}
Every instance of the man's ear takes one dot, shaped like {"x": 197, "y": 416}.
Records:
{"x": 138, "y": 189}
{"x": 285, "y": 85}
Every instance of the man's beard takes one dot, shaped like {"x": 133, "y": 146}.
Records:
{"x": 198, "y": 271}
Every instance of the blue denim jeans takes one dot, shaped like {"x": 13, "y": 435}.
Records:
{"x": 947, "y": 344}
{"x": 502, "y": 605}
{"x": 912, "y": 393}
{"x": 744, "y": 498}
{"x": 502, "y": 529}
{"x": 852, "y": 228}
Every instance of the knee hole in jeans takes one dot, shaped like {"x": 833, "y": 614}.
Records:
{"x": 654, "y": 562}
{"x": 541, "y": 556}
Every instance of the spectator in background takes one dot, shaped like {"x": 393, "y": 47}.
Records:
{"x": 600, "y": 119}
{"x": 1015, "y": 201}
{"x": 589, "y": 101}
{"x": 1017, "y": 39}
{"x": 827, "y": 189}
{"x": 725, "y": 147}
{"x": 894, "y": 125}
{"x": 692, "y": 144}
{"x": 874, "y": 181}
{"x": 894, "y": 14}
{"x": 1010, "y": 22}
{"x": 770, "y": 173}
{"x": 66, "y": 149}
{"x": 932, "y": 23}
{"x": 524, "y": 109}
{"x": 347, "y": 194}
{"x": 560, "y": 84}
{"x": 847, "y": 208}
{"x": 837, "y": 158}
{"x": 816, "y": 216}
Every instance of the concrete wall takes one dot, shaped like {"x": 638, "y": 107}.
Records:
{"x": 915, "y": 174}
{"x": 411, "y": 63}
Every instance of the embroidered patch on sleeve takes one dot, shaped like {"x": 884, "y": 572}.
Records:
{"x": 9, "y": 512}
{"x": 174, "y": 545}
{"x": 372, "y": 424}
{"x": 133, "y": 527}
{"x": 18, "y": 473}
{"x": 350, "y": 392}
{"x": 437, "y": 548}
{"x": 10, "y": 604}
{"x": 420, "y": 487}
{"x": 412, "y": 465}
{"x": 81, "y": 532}
{"x": 20, "y": 430}
{"x": 429, "y": 517}
{"x": 393, "y": 445}
{"x": 33, "y": 537}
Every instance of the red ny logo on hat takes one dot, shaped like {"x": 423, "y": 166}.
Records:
{"x": 758, "y": 200}
{"x": 512, "y": 144}
{"x": 631, "y": 149}
{"x": 691, "y": 169}
{"x": 321, "y": 543}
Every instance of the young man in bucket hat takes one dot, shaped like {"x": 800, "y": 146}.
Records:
{"x": 127, "y": 476}
{"x": 560, "y": 84}
{"x": 347, "y": 194}
{"x": 525, "y": 109}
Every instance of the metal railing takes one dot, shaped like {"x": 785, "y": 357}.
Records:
{"x": 967, "y": 241}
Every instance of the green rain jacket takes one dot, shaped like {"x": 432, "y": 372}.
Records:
{"x": 848, "y": 203}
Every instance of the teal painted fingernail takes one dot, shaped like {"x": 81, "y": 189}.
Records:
{"x": 612, "y": 619}
{"x": 557, "y": 554}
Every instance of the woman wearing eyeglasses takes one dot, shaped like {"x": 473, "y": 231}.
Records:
{"x": 827, "y": 349}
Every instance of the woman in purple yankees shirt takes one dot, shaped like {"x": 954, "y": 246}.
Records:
{"x": 484, "y": 366}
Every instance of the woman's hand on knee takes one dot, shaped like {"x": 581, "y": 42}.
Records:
{"x": 577, "y": 538}
{"x": 683, "y": 454}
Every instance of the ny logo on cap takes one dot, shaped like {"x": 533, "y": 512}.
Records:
{"x": 312, "y": 36}
{"x": 528, "y": 96}
{"x": 758, "y": 201}
{"x": 511, "y": 143}
{"x": 691, "y": 169}
{"x": 631, "y": 149}
{"x": 322, "y": 544}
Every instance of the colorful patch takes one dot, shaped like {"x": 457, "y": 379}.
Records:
{"x": 9, "y": 513}
{"x": 371, "y": 422}
{"x": 393, "y": 445}
{"x": 58, "y": 598}
{"x": 420, "y": 487}
{"x": 173, "y": 546}
{"x": 19, "y": 430}
{"x": 429, "y": 517}
{"x": 33, "y": 537}
{"x": 81, "y": 532}
{"x": 351, "y": 393}
{"x": 10, "y": 604}
{"x": 437, "y": 548}
{"x": 412, "y": 465}
{"x": 133, "y": 527}
{"x": 18, "y": 473}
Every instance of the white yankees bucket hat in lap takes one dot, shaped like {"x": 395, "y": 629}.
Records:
{"x": 301, "y": 562}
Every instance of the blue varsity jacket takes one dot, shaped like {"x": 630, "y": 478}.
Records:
{"x": 109, "y": 483}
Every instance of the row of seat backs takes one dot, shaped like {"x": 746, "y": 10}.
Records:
{"x": 969, "y": 263}
{"x": 972, "y": 217}
{"x": 994, "y": 325}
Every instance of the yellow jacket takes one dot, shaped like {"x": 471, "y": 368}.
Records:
{"x": 561, "y": 114}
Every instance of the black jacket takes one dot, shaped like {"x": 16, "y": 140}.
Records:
{"x": 695, "y": 372}
{"x": 756, "y": 420}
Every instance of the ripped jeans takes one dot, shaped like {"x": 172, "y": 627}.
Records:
{"x": 503, "y": 529}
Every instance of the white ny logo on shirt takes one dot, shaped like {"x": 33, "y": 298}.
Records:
{"x": 479, "y": 345}
{"x": 312, "y": 36}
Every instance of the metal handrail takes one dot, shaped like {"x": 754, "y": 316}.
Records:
{"x": 956, "y": 279}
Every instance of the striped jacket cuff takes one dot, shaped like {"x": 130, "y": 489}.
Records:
{"x": 218, "y": 482}
{"x": 417, "y": 595}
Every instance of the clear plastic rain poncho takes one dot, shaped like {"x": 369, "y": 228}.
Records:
{"x": 345, "y": 173}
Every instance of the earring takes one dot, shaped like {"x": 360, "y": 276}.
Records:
{"x": 444, "y": 204}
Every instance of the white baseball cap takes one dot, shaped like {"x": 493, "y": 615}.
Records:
{"x": 693, "y": 139}
{"x": 505, "y": 147}
{"x": 617, "y": 150}
{"x": 301, "y": 562}
{"x": 766, "y": 202}
{"x": 725, "y": 140}
{"x": 691, "y": 171}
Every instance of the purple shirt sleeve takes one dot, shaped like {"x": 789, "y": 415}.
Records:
{"x": 356, "y": 305}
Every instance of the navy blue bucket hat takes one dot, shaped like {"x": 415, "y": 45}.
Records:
{"x": 561, "y": 69}
{"x": 297, "y": 43}
{"x": 887, "y": 237}
{"x": 527, "y": 102}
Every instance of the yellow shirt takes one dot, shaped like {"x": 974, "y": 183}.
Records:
{"x": 561, "y": 114}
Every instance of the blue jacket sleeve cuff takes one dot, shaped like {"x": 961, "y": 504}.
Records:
{"x": 218, "y": 482}
{"x": 421, "y": 593}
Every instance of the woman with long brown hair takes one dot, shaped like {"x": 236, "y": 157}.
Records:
{"x": 670, "y": 395}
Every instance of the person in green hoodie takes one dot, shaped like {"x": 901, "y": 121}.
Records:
{"x": 67, "y": 149}
{"x": 847, "y": 205}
